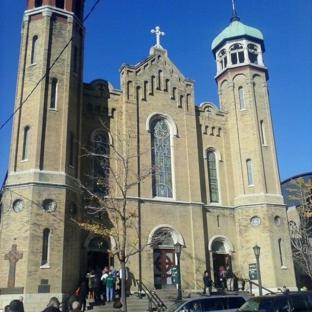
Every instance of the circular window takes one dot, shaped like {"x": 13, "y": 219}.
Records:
{"x": 49, "y": 205}
{"x": 277, "y": 220}
{"x": 255, "y": 221}
{"x": 18, "y": 205}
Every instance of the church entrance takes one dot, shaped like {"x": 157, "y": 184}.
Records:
{"x": 97, "y": 255}
{"x": 219, "y": 260}
{"x": 98, "y": 259}
{"x": 164, "y": 259}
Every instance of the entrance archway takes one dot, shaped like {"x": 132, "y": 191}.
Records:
{"x": 221, "y": 250}
{"x": 162, "y": 238}
{"x": 97, "y": 253}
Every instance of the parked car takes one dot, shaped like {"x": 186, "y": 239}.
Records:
{"x": 227, "y": 303}
{"x": 298, "y": 301}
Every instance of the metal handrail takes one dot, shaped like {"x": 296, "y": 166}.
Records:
{"x": 220, "y": 290}
{"x": 251, "y": 282}
{"x": 153, "y": 298}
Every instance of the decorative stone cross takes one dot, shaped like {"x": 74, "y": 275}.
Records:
{"x": 13, "y": 256}
{"x": 158, "y": 34}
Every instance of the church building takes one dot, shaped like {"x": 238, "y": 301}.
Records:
{"x": 215, "y": 186}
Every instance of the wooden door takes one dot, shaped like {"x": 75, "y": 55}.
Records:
{"x": 164, "y": 259}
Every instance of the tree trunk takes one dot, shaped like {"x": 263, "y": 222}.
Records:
{"x": 123, "y": 286}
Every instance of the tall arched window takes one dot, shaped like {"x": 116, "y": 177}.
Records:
{"x": 263, "y": 138}
{"x": 241, "y": 98}
{"x": 26, "y": 143}
{"x": 53, "y": 93}
{"x": 100, "y": 164}
{"x": 161, "y": 158}
{"x": 34, "y": 50}
{"x": 71, "y": 149}
{"x": 249, "y": 172}
{"x": 45, "y": 247}
{"x": 212, "y": 177}
{"x": 280, "y": 249}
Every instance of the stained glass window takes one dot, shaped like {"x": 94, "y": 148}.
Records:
{"x": 100, "y": 164}
{"x": 212, "y": 177}
{"x": 161, "y": 158}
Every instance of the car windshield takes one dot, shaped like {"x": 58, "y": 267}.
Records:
{"x": 257, "y": 304}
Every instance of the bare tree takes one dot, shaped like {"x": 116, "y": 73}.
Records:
{"x": 300, "y": 228}
{"x": 117, "y": 172}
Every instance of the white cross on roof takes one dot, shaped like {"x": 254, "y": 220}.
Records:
{"x": 158, "y": 34}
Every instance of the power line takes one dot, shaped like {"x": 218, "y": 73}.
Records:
{"x": 54, "y": 62}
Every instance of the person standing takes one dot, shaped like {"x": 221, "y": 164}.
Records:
{"x": 109, "y": 283}
{"x": 207, "y": 283}
{"x": 82, "y": 295}
{"x": 223, "y": 278}
{"x": 229, "y": 279}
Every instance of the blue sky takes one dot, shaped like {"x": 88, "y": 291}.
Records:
{"x": 118, "y": 32}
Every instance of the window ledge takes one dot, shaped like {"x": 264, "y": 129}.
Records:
{"x": 284, "y": 267}
{"x": 251, "y": 185}
{"x": 45, "y": 266}
{"x": 24, "y": 160}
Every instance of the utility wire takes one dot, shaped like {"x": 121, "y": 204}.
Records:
{"x": 47, "y": 71}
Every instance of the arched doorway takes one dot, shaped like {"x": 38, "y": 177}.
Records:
{"x": 221, "y": 250}
{"x": 97, "y": 254}
{"x": 163, "y": 238}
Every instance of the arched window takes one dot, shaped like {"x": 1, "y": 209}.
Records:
{"x": 26, "y": 143}
{"x": 159, "y": 80}
{"x": 252, "y": 53}
{"x": 161, "y": 158}
{"x": 241, "y": 98}
{"x": 212, "y": 177}
{"x": 75, "y": 62}
{"x": 34, "y": 50}
{"x": 263, "y": 139}
{"x": 280, "y": 248}
{"x": 71, "y": 149}
{"x": 222, "y": 59}
{"x": 237, "y": 53}
{"x": 100, "y": 164}
{"x": 45, "y": 247}
{"x": 249, "y": 172}
{"x": 53, "y": 99}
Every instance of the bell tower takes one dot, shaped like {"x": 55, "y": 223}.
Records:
{"x": 260, "y": 213}
{"x": 41, "y": 190}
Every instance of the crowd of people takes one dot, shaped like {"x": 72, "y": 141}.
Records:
{"x": 99, "y": 285}
{"x": 225, "y": 280}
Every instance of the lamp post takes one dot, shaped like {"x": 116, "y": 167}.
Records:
{"x": 178, "y": 248}
{"x": 256, "y": 250}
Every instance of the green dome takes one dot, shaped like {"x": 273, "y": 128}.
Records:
{"x": 234, "y": 30}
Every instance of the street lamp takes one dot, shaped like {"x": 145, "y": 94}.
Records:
{"x": 256, "y": 250}
{"x": 178, "y": 249}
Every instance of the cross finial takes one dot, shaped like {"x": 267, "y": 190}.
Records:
{"x": 234, "y": 15}
{"x": 158, "y": 34}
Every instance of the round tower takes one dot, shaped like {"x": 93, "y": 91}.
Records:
{"x": 252, "y": 163}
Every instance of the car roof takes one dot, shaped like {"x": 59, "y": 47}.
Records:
{"x": 214, "y": 296}
{"x": 290, "y": 293}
